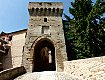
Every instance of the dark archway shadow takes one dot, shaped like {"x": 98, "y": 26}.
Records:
{"x": 44, "y": 56}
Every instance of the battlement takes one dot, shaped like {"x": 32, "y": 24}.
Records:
{"x": 45, "y": 8}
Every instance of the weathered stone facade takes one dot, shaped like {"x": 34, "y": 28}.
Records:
{"x": 45, "y": 29}
{"x": 13, "y": 58}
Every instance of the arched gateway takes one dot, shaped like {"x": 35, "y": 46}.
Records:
{"x": 44, "y": 56}
{"x": 44, "y": 48}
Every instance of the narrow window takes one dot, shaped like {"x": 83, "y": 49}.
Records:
{"x": 45, "y": 19}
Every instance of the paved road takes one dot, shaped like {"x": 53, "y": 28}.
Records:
{"x": 46, "y": 75}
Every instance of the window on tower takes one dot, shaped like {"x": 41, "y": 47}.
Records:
{"x": 45, "y": 30}
{"x": 45, "y": 19}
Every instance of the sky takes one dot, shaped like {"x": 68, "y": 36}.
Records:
{"x": 14, "y": 14}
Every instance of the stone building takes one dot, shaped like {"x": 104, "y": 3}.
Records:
{"x": 41, "y": 47}
{"x": 45, "y": 47}
{"x": 11, "y": 55}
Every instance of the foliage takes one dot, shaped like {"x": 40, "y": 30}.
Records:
{"x": 86, "y": 31}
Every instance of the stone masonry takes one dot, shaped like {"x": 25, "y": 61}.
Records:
{"x": 14, "y": 56}
{"x": 45, "y": 24}
{"x": 86, "y": 69}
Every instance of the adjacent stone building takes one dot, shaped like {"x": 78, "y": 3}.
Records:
{"x": 11, "y": 51}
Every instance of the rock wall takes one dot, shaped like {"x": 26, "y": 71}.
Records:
{"x": 12, "y": 73}
{"x": 87, "y": 69}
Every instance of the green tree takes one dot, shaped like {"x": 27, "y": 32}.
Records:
{"x": 86, "y": 31}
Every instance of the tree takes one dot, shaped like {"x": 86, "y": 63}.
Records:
{"x": 86, "y": 31}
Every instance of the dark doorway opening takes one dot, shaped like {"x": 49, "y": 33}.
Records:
{"x": 44, "y": 56}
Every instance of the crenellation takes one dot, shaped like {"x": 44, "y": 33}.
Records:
{"x": 55, "y": 9}
{"x": 45, "y": 5}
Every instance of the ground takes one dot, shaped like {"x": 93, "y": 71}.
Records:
{"x": 46, "y": 75}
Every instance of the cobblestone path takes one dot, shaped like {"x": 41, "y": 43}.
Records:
{"x": 47, "y": 75}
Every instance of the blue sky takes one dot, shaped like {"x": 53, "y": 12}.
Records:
{"x": 14, "y": 14}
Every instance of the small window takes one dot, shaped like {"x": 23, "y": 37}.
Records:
{"x": 25, "y": 34}
{"x": 45, "y": 30}
{"x": 45, "y": 19}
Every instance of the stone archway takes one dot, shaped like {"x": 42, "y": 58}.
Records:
{"x": 44, "y": 56}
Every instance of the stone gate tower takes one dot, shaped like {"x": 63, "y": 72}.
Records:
{"x": 44, "y": 48}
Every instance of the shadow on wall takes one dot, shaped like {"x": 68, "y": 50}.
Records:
{"x": 7, "y": 60}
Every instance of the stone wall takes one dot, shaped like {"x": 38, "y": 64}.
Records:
{"x": 12, "y": 73}
{"x": 87, "y": 69}
{"x": 14, "y": 56}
